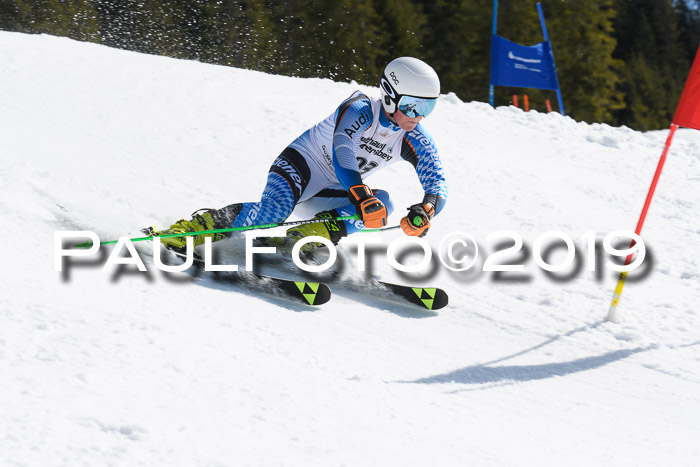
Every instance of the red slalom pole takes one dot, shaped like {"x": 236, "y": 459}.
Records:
{"x": 612, "y": 313}
{"x": 659, "y": 167}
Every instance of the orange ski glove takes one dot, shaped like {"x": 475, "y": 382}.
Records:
{"x": 370, "y": 208}
{"x": 417, "y": 222}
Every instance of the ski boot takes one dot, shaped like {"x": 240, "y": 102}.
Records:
{"x": 202, "y": 219}
{"x": 332, "y": 230}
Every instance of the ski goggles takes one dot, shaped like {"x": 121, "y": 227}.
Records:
{"x": 416, "y": 106}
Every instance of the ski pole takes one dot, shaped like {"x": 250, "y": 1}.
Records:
{"x": 379, "y": 230}
{"x": 89, "y": 244}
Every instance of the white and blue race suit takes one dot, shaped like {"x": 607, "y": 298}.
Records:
{"x": 315, "y": 171}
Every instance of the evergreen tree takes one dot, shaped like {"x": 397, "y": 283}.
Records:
{"x": 76, "y": 19}
{"x": 303, "y": 36}
{"x": 583, "y": 46}
{"x": 259, "y": 46}
{"x": 405, "y": 27}
{"x": 689, "y": 29}
{"x": 357, "y": 41}
{"x": 649, "y": 41}
{"x": 146, "y": 27}
{"x": 620, "y": 61}
{"x": 10, "y": 16}
{"x": 648, "y": 103}
{"x": 458, "y": 46}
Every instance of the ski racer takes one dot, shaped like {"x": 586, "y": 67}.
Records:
{"x": 322, "y": 173}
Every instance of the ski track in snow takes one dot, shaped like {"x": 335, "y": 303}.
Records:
{"x": 128, "y": 368}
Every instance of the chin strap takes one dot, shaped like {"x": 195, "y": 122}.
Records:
{"x": 390, "y": 116}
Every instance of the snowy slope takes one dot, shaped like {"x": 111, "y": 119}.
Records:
{"x": 125, "y": 368}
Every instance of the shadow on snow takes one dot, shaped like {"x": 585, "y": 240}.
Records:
{"x": 486, "y": 373}
{"x": 481, "y": 374}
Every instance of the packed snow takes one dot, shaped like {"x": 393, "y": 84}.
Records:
{"x": 121, "y": 367}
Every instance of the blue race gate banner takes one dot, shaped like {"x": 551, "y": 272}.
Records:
{"x": 522, "y": 66}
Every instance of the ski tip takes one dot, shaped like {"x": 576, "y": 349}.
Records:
{"x": 441, "y": 300}
{"x": 427, "y": 298}
{"x": 313, "y": 293}
{"x": 431, "y": 298}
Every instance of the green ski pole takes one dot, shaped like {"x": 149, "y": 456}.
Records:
{"x": 89, "y": 244}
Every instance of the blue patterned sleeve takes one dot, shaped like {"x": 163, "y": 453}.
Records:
{"x": 419, "y": 149}
{"x": 352, "y": 118}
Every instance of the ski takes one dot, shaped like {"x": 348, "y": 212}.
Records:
{"x": 306, "y": 293}
{"x": 427, "y": 298}
{"x": 430, "y": 298}
{"x": 303, "y": 292}
{"x": 318, "y": 293}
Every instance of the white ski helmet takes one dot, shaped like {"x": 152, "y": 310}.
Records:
{"x": 408, "y": 77}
